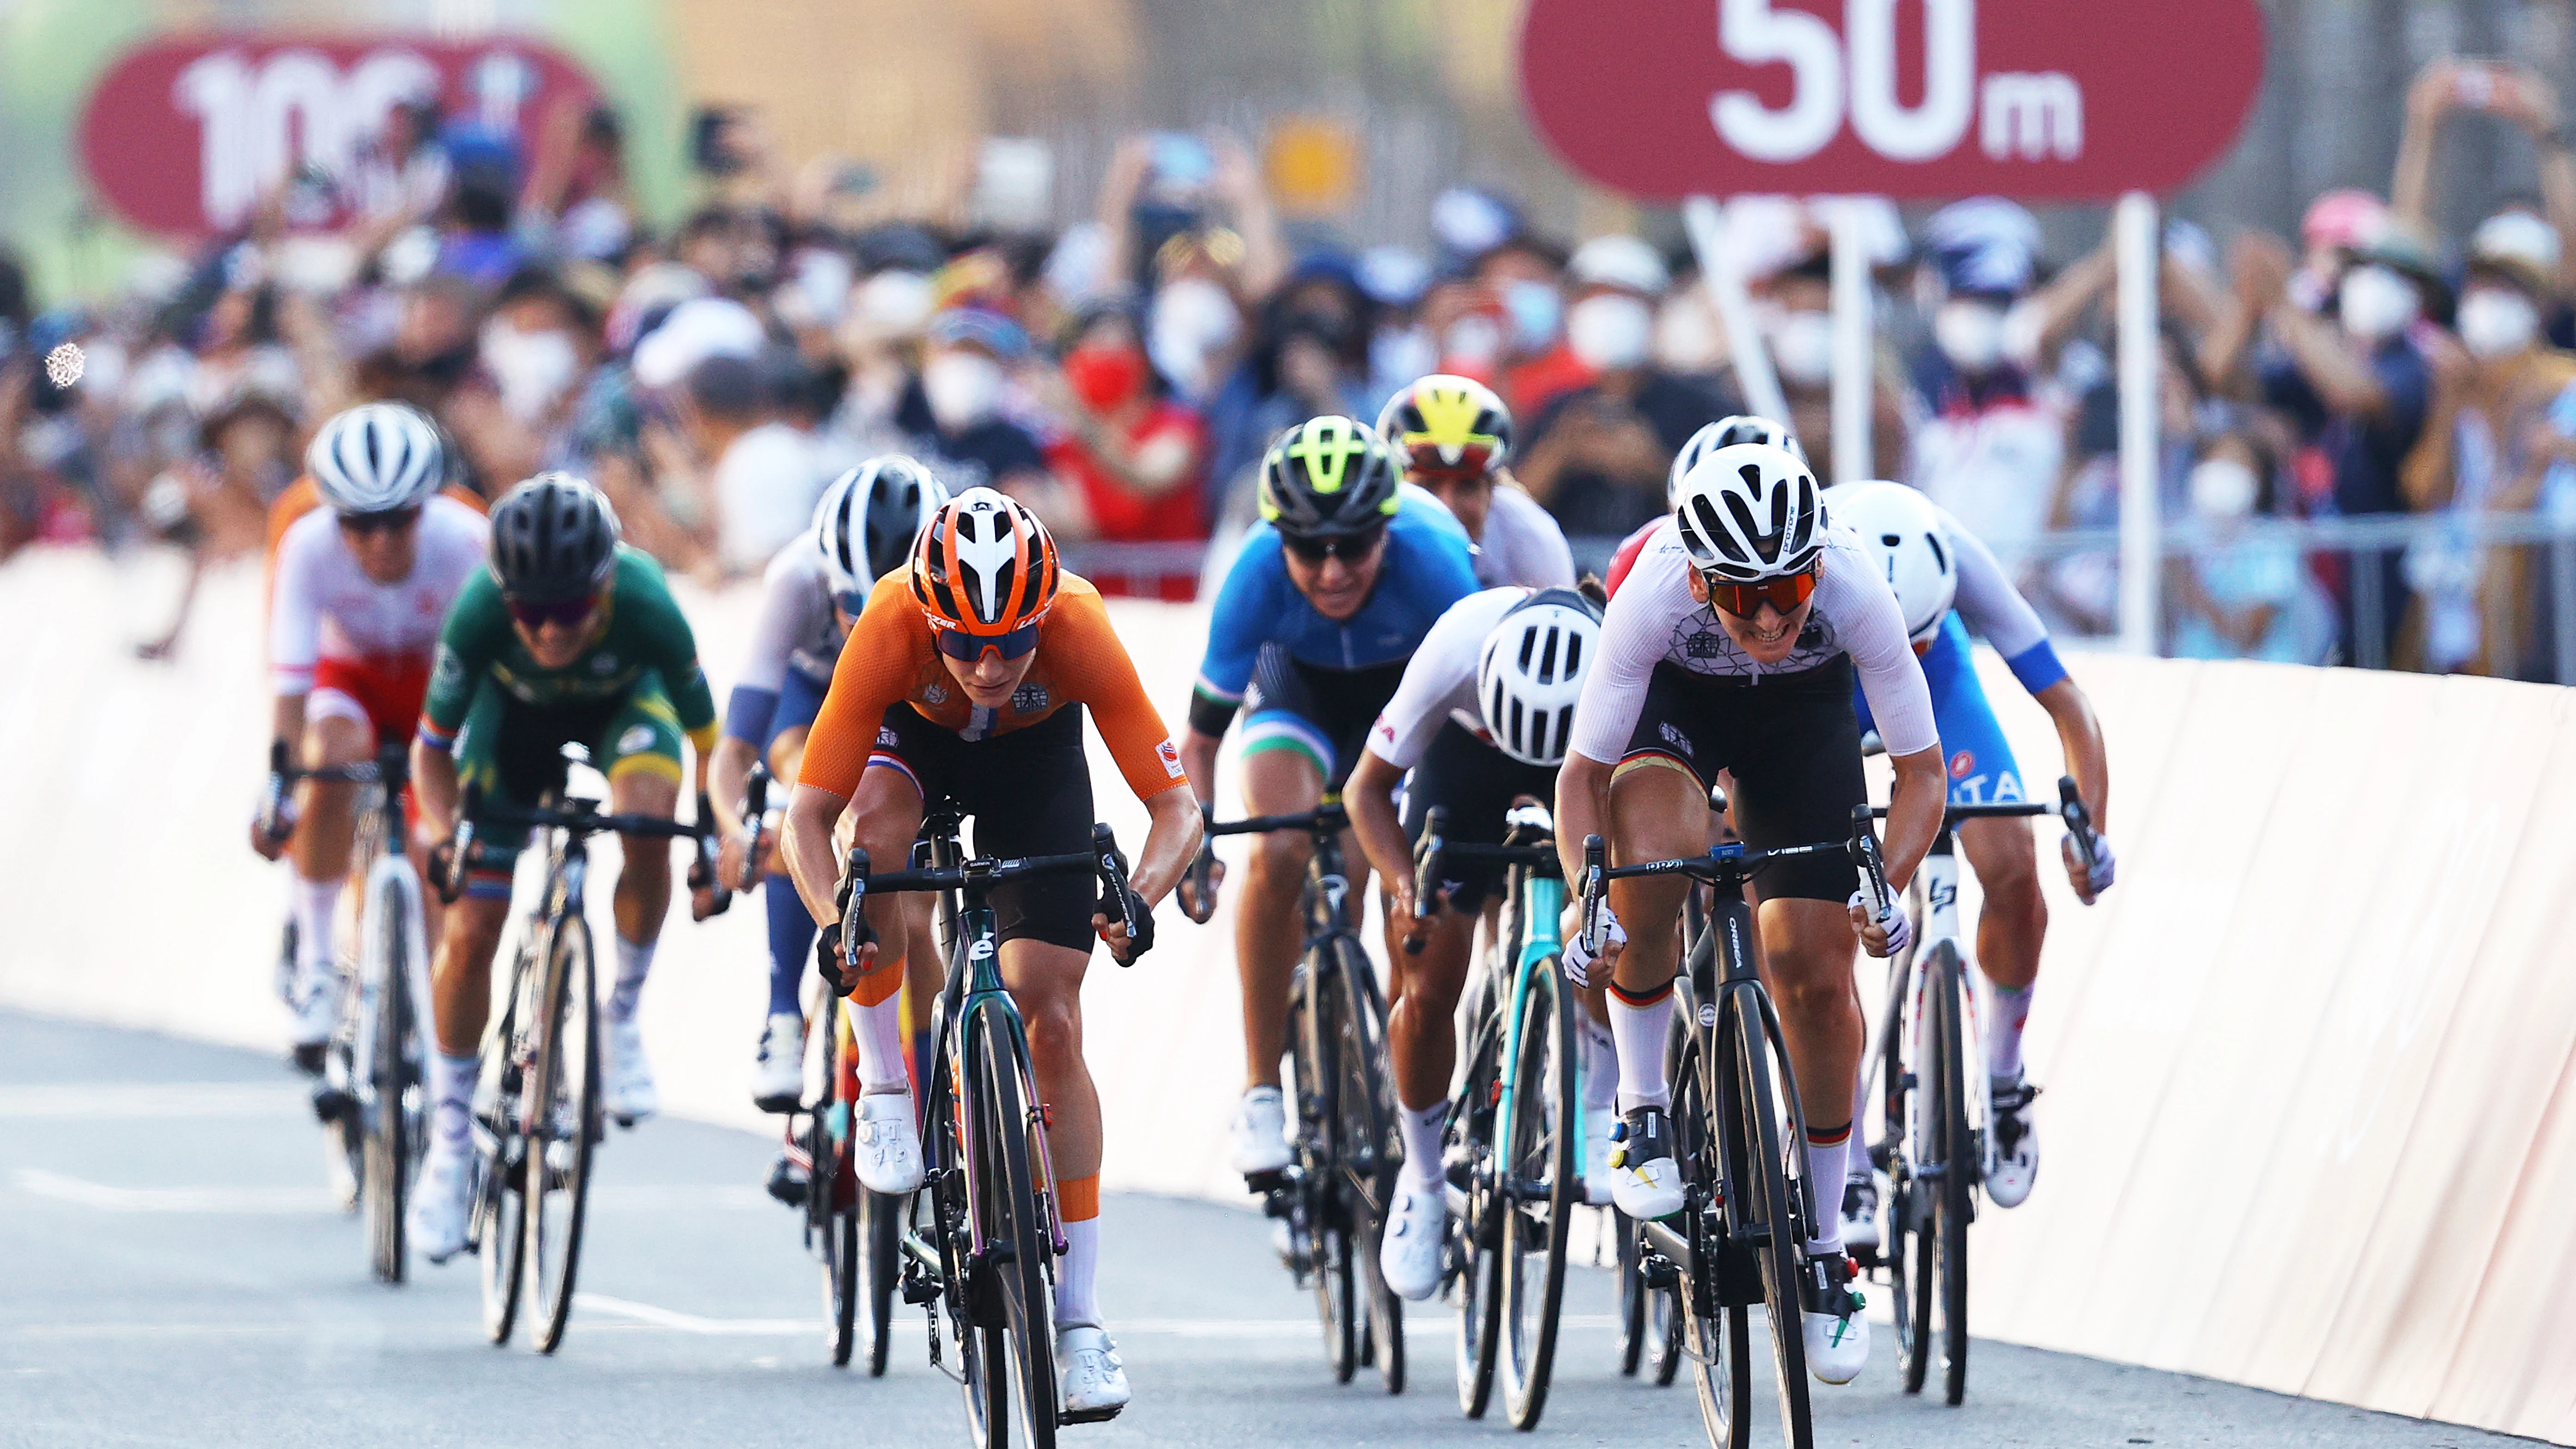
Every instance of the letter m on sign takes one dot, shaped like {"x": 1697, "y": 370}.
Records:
{"x": 2035, "y": 117}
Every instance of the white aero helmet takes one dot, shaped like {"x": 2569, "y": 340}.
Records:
{"x": 1903, "y": 531}
{"x": 1750, "y": 512}
{"x": 1531, "y": 673}
{"x": 375, "y": 458}
{"x": 867, "y": 520}
{"x": 1726, "y": 433}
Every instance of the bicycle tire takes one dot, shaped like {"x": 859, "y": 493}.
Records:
{"x": 1368, "y": 1115}
{"x": 1716, "y": 1343}
{"x": 1948, "y": 1239}
{"x": 1544, "y": 1140}
{"x": 498, "y": 1227}
{"x": 1763, "y": 1166}
{"x": 1022, "y": 1342}
{"x": 1472, "y": 1231}
{"x": 385, "y": 1183}
{"x": 567, "y": 1127}
{"x": 879, "y": 1247}
{"x": 1314, "y": 1085}
{"x": 829, "y": 1234}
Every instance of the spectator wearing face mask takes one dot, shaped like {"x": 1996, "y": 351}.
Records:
{"x": 1129, "y": 456}
{"x": 2237, "y": 594}
{"x": 1597, "y": 455}
{"x": 1308, "y": 358}
{"x": 2451, "y": 89}
{"x": 1990, "y": 444}
{"x": 756, "y": 475}
{"x": 1796, "y": 308}
{"x": 2497, "y": 438}
{"x": 952, "y": 411}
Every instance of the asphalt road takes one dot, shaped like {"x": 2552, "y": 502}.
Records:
{"x": 173, "y": 1271}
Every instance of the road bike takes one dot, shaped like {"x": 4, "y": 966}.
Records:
{"x": 538, "y": 1118}
{"x": 984, "y": 1228}
{"x": 1738, "y": 1136}
{"x": 372, "y": 1097}
{"x": 1938, "y": 1104}
{"x": 1345, "y": 1144}
{"x": 1513, "y": 1140}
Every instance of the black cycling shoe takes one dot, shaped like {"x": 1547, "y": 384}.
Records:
{"x": 788, "y": 1182}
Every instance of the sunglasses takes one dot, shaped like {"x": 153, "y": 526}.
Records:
{"x": 1352, "y": 548}
{"x": 392, "y": 520}
{"x": 966, "y": 648}
{"x": 1784, "y": 593}
{"x": 567, "y": 612}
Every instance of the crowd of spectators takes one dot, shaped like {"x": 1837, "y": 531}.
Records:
{"x": 1123, "y": 376}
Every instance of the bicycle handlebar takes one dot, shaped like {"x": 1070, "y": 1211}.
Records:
{"x": 1724, "y": 862}
{"x": 1102, "y": 860}
{"x": 1434, "y": 848}
{"x": 2068, "y": 808}
{"x": 1322, "y": 820}
{"x": 391, "y": 767}
{"x": 755, "y": 814}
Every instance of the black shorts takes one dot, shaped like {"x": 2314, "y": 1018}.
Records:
{"x": 1793, "y": 744}
{"x": 1323, "y": 714}
{"x": 1028, "y": 792}
{"x": 1476, "y": 784}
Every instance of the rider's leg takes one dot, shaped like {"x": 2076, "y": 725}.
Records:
{"x": 2010, "y": 928}
{"x": 1807, "y": 967}
{"x": 1046, "y": 982}
{"x": 1422, "y": 1037}
{"x": 461, "y": 1000}
{"x": 325, "y": 829}
{"x": 1268, "y": 936}
{"x": 1658, "y": 811}
{"x": 882, "y": 819}
{"x": 640, "y": 785}
{"x": 791, "y": 926}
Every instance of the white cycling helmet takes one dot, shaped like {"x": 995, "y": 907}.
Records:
{"x": 1726, "y": 433}
{"x": 1531, "y": 673}
{"x": 1750, "y": 512}
{"x": 867, "y": 520}
{"x": 1903, "y": 531}
{"x": 375, "y": 458}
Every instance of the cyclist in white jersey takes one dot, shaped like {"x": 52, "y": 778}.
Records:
{"x": 1453, "y": 438}
{"x": 1733, "y": 646}
{"x": 361, "y": 588}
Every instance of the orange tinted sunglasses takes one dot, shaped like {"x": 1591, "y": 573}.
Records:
{"x": 1784, "y": 593}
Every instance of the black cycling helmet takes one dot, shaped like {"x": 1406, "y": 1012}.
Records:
{"x": 1328, "y": 477}
{"x": 554, "y": 538}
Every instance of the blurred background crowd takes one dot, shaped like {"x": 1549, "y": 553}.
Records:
{"x": 2369, "y": 427}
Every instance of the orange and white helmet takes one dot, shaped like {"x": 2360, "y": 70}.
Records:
{"x": 986, "y": 568}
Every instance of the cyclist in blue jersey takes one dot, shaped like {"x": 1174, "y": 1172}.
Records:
{"x": 1948, "y": 585}
{"x": 1331, "y": 594}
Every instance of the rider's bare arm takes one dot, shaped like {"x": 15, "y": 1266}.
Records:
{"x": 1370, "y": 794}
{"x": 2080, "y": 734}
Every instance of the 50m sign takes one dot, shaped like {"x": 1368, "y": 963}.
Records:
{"x": 1904, "y": 98}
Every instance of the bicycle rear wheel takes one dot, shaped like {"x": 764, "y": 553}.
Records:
{"x": 564, "y": 1127}
{"x": 830, "y": 1231}
{"x": 1372, "y": 1154}
{"x": 498, "y": 1227}
{"x": 1539, "y": 1167}
{"x": 1752, "y": 1094}
{"x": 1018, "y": 1399}
{"x": 1323, "y": 1225}
{"x": 1945, "y": 1245}
{"x": 391, "y": 1073}
{"x": 1475, "y": 1231}
{"x": 878, "y": 1246}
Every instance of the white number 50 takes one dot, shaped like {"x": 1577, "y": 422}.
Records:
{"x": 1752, "y": 32}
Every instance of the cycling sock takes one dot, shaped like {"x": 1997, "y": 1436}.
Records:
{"x": 791, "y": 942}
{"x": 2003, "y": 1033}
{"x": 1825, "y": 1152}
{"x": 1638, "y": 1025}
{"x": 634, "y": 963}
{"x": 1077, "y": 1280}
{"x": 317, "y": 907}
{"x": 451, "y": 1094}
{"x": 1600, "y": 1065}
{"x": 879, "y": 1030}
{"x": 1422, "y": 1166}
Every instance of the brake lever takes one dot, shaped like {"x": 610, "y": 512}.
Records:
{"x": 1113, "y": 875}
{"x": 1426, "y": 874}
{"x": 1595, "y": 885}
{"x": 1872, "y": 865}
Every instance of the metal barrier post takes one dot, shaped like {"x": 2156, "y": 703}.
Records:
{"x": 2369, "y": 609}
{"x": 2562, "y": 613}
{"x": 2141, "y": 360}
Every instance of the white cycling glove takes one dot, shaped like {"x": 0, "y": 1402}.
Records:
{"x": 1578, "y": 961}
{"x": 1900, "y": 928}
{"x": 2105, "y": 864}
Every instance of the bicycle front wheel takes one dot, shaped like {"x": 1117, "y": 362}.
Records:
{"x": 1017, "y": 1402}
{"x": 1944, "y": 1248}
{"x": 1538, "y": 1165}
{"x": 392, "y": 1073}
{"x": 831, "y": 1231}
{"x": 563, "y": 1127}
{"x": 1713, "y": 1332}
{"x": 1754, "y": 1093}
{"x": 1372, "y": 1154}
{"x": 1321, "y": 1229}
{"x": 878, "y": 1246}
{"x": 1474, "y": 1231}
{"x": 498, "y": 1227}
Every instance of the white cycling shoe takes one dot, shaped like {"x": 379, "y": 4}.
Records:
{"x": 1645, "y": 1182}
{"x": 441, "y": 1200}
{"x": 2016, "y": 1144}
{"x": 1837, "y": 1336}
{"x": 1598, "y": 1124}
{"x": 1860, "y": 1211}
{"x": 1089, "y": 1375}
{"x": 886, "y": 1143}
{"x": 1261, "y": 1132}
{"x": 629, "y": 1090}
{"x": 778, "y": 1072}
{"x": 1417, "y": 1229}
{"x": 317, "y": 1016}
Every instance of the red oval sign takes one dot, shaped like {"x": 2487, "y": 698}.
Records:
{"x": 1917, "y": 100}
{"x": 186, "y": 136}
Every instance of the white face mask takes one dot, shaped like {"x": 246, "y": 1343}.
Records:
{"x": 2223, "y": 489}
{"x": 2496, "y": 323}
{"x": 2375, "y": 302}
{"x": 962, "y": 388}
{"x": 1473, "y": 342}
{"x": 1609, "y": 331}
{"x": 1193, "y": 320}
{"x": 1399, "y": 355}
{"x": 532, "y": 369}
{"x": 1686, "y": 336}
{"x": 1802, "y": 346}
{"x": 1970, "y": 334}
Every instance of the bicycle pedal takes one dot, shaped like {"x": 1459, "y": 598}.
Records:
{"x": 331, "y": 1104}
{"x": 1267, "y": 1183}
{"x": 1087, "y": 1416}
{"x": 1658, "y": 1270}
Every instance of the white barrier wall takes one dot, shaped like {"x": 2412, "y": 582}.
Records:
{"x": 2311, "y": 1067}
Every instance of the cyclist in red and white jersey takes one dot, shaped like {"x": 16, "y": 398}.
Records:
{"x": 361, "y": 587}
{"x": 1724, "y": 433}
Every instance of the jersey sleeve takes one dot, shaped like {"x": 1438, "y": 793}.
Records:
{"x": 1546, "y": 560}
{"x": 784, "y": 615}
{"x": 1993, "y": 608}
{"x": 467, "y": 644}
{"x": 675, "y": 651}
{"x": 1632, "y": 640}
{"x": 867, "y": 681}
{"x": 1247, "y": 605}
{"x": 1104, "y": 679}
{"x": 1871, "y": 626}
{"x": 294, "y": 620}
{"x": 1440, "y": 675}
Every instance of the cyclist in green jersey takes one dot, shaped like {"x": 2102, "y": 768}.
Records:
{"x": 569, "y": 637}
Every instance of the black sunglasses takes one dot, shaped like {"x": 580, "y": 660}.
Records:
{"x": 567, "y": 612}
{"x": 391, "y": 520}
{"x": 1350, "y": 548}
